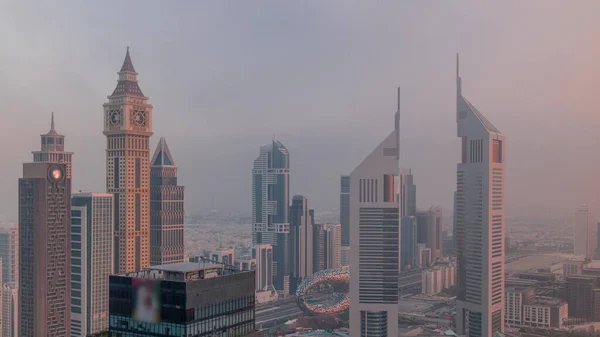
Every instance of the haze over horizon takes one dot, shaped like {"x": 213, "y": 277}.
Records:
{"x": 225, "y": 77}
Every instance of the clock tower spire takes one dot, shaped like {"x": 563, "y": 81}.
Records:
{"x": 128, "y": 128}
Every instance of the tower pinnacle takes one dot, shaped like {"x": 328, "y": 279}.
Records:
{"x": 127, "y": 64}
{"x": 52, "y": 123}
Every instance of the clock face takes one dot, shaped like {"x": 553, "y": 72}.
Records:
{"x": 55, "y": 174}
{"x": 139, "y": 118}
{"x": 114, "y": 117}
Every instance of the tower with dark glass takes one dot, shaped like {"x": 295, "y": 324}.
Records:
{"x": 166, "y": 208}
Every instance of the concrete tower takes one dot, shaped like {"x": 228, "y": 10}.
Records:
{"x": 128, "y": 127}
{"x": 375, "y": 239}
{"x": 167, "y": 215}
{"x": 270, "y": 206}
{"x": 479, "y": 222}
{"x": 45, "y": 241}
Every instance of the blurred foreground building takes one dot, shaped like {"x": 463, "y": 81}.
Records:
{"x": 183, "y": 299}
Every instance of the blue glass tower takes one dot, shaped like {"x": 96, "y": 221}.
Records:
{"x": 270, "y": 206}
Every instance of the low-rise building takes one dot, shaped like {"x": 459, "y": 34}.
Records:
{"x": 515, "y": 298}
{"x": 545, "y": 312}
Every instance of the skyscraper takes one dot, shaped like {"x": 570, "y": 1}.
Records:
{"x": 9, "y": 251}
{"x": 408, "y": 193}
{"x": 327, "y": 246}
{"x": 345, "y": 209}
{"x": 479, "y": 222}
{"x": 409, "y": 243}
{"x": 91, "y": 260}
{"x": 128, "y": 127}
{"x": 301, "y": 242}
{"x": 10, "y": 318}
{"x": 270, "y": 206}
{"x": 585, "y": 232}
{"x": 429, "y": 230}
{"x": 375, "y": 239}
{"x": 263, "y": 254}
{"x": 45, "y": 240}
{"x": 319, "y": 247}
{"x": 333, "y": 245}
{"x": 166, "y": 208}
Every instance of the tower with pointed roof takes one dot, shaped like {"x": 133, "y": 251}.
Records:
{"x": 374, "y": 220}
{"x": 479, "y": 222}
{"x": 53, "y": 149}
{"x": 166, "y": 208}
{"x": 128, "y": 127}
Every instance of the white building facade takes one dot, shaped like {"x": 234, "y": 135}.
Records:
{"x": 479, "y": 222}
{"x": 92, "y": 241}
{"x": 374, "y": 240}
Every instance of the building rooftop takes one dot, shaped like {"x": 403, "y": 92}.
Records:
{"x": 549, "y": 301}
{"x": 185, "y": 271}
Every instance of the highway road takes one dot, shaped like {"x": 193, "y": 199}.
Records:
{"x": 278, "y": 313}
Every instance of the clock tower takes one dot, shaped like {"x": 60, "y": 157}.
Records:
{"x": 128, "y": 127}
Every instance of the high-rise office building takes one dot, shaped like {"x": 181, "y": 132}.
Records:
{"x": 301, "y": 242}
{"x": 375, "y": 239}
{"x": 585, "y": 232}
{"x": 166, "y": 208}
{"x": 10, "y": 317}
{"x": 429, "y": 230}
{"x": 408, "y": 193}
{"x": 479, "y": 222}
{"x": 408, "y": 243}
{"x": 44, "y": 241}
{"x": 91, "y": 261}
{"x": 263, "y": 255}
{"x": 333, "y": 248}
{"x": 345, "y": 209}
{"x": 128, "y": 127}
{"x": 270, "y": 206}
{"x": 327, "y": 246}
{"x": 318, "y": 247}
{"x": 183, "y": 299}
{"x": 9, "y": 252}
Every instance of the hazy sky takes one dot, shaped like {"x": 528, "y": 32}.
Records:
{"x": 224, "y": 76}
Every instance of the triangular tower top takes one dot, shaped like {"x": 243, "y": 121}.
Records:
{"x": 162, "y": 155}
{"x": 127, "y": 64}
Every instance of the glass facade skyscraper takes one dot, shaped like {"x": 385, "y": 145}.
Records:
{"x": 270, "y": 206}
